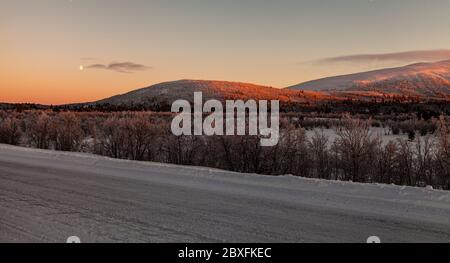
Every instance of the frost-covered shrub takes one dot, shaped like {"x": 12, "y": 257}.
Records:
{"x": 10, "y": 131}
{"x": 354, "y": 154}
{"x": 38, "y": 131}
{"x": 66, "y": 133}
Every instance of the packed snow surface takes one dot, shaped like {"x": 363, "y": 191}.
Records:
{"x": 48, "y": 196}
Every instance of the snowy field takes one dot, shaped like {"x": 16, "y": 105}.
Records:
{"x": 384, "y": 133}
{"x": 47, "y": 196}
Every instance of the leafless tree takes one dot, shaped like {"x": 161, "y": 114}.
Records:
{"x": 66, "y": 132}
{"x": 355, "y": 145}
{"x": 425, "y": 160}
{"x": 405, "y": 160}
{"x": 386, "y": 162}
{"x": 443, "y": 152}
{"x": 10, "y": 131}
{"x": 38, "y": 131}
{"x": 318, "y": 146}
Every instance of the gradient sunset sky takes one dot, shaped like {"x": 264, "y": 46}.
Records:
{"x": 63, "y": 51}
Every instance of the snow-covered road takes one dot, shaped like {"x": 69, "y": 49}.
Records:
{"x": 47, "y": 196}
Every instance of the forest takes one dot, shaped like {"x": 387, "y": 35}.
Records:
{"x": 420, "y": 157}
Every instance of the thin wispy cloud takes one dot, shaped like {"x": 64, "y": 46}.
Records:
{"x": 409, "y": 56}
{"x": 122, "y": 67}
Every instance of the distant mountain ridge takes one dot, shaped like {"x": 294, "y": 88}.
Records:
{"x": 220, "y": 90}
{"x": 421, "y": 79}
{"x": 427, "y": 80}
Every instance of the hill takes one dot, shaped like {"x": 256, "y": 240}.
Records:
{"x": 421, "y": 79}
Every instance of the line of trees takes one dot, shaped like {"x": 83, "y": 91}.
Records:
{"x": 354, "y": 155}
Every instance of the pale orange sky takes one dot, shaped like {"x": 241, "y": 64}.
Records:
{"x": 277, "y": 43}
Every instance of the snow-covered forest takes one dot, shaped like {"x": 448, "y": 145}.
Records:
{"x": 353, "y": 153}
